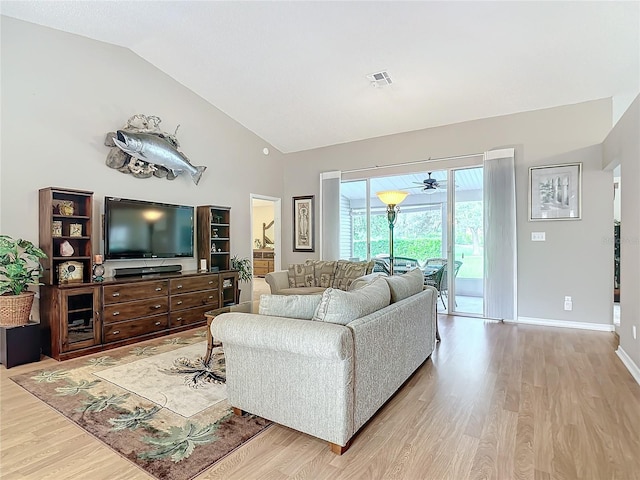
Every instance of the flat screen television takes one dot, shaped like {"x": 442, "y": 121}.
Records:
{"x": 135, "y": 229}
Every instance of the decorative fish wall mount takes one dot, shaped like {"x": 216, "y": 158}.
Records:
{"x": 143, "y": 150}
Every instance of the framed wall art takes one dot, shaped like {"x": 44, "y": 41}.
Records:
{"x": 555, "y": 192}
{"x": 303, "y": 224}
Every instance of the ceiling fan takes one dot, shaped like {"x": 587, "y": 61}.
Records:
{"x": 431, "y": 185}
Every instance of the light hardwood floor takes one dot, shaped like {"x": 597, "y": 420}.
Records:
{"x": 496, "y": 401}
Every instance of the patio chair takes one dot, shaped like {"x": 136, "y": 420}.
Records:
{"x": 431, "y": 262}
{"x": 380, "y": 265}
{"x": 435, "y": 280}
{"x": 444, "y": 287}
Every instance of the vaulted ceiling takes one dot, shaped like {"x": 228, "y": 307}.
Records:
{"x": 295, "y": 73}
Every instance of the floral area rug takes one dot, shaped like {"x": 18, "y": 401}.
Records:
{"x": 156, "y": 404}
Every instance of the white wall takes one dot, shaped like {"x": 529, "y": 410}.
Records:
{"x": 622, "y": 147}
{"x": 62, "y": 93}
{"x": 547, "y": 272}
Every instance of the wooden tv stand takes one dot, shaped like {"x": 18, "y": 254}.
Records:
{"x": 88, "y": 317}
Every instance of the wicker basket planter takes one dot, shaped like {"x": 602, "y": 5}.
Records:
{"x": 15, "y": 309}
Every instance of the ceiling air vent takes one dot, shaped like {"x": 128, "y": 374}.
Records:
{"x": 380, "y": 79}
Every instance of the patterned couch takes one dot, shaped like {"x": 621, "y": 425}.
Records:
{"x": 315, "y": 276}
{"x": 324, "y": 364}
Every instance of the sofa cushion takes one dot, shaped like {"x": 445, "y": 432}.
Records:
{"x": 338, "y": 306}
{"x": 301, "y": 291}
{"x": 301, "y": 275}
{"x": 347, "y": 272}
{"x": 403, "y": 286}
{"x": 365, "y": 280}
{"x": 292, "y": 306}
{"x": 323, "y": 272}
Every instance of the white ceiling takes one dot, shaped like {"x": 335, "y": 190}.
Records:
{"x": 294, "y": 72}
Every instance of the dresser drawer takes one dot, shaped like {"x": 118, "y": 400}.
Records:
{"x": 113, "y": 332}
{"x": 195, "y": 299}
{"x": 141, "y": 308}
{"x": 260, "y": 270}
{"x": 192, "y": 284}
{"x": 134, "y": 291}
{"x": 192, "y": 315}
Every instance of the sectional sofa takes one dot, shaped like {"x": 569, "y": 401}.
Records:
{"x": 325, "y": 364}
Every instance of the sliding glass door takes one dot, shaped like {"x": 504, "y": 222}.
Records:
{"x": 440, "y": 221}
{"x": 464, "y": 292}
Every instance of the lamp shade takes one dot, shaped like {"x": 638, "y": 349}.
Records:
{"x": 392, "y": 197}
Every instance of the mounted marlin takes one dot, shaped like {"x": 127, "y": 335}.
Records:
{"x": 158, "y": 151}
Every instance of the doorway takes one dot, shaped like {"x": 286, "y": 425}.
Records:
{"x": 265, "y": 240}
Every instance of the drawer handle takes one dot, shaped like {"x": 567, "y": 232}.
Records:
{"x": 179, "y": 302}
{"x": 116, "y": 332}
{"x": 210, "y": 282}
{"x": 158, "y": 289}
{"x": 178, "y": 319}
{"x": 210, "y": 296}
{"x": 158, "y": 323}
{"x": 117, "y": 294}
{"x": 115, "y": 314}
{"x": 157, "y": 306}
{"x": 178, "y": 286}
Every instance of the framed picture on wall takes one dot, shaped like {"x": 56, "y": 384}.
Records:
{"x": 303, "y": 224}
{"x": 555, "y": 192}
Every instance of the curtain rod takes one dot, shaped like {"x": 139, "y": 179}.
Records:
{"x": 416, "y": 162}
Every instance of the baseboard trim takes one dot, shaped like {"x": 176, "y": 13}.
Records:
{"x": 547, "y": 322}
{"x": 634, "y": 370}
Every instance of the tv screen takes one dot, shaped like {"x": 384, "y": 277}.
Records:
{"x": 139, "y": 229}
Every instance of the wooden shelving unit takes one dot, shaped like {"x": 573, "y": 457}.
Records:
{"x": 214, "y": 236}
{"x": 65, "y": 216}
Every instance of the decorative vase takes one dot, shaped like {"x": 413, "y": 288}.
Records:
{"x": 15, "y": 309}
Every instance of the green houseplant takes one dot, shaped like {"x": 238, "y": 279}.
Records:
{"x": 245, "y": 272}
{"x": 19, "y": 268}
{"x": 243, "y": 266}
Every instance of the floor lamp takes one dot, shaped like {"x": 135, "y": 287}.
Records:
{"x": 392, "y": 198}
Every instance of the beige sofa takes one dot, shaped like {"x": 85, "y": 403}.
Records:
{"x": 315, "y": 276}
{"x": 324, "y": 364}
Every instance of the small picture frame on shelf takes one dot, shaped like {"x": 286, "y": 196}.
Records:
{"x": 75, "y": 230}
{"x": 56, "y": 228}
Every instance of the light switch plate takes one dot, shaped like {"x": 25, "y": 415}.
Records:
{"x": 538, "y": 236}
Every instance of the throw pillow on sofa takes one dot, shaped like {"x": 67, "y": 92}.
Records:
{"x": 403, "y": 286}
{"x": 338, "y": 306}
{"x": 292, "y": 306}
{"x": 347, "y": 272}
{"x": 301, "y": 275}
{"x": 323, "y": 272}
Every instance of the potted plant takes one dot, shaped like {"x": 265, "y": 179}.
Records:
{"x": 19, "y": 268}
{"x": 245, "y": 272}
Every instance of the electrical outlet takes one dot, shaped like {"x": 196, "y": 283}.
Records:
{"x": 538, "y": 236}
{"x": 568, "y": 305}
{"x": 634, "y": 332}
